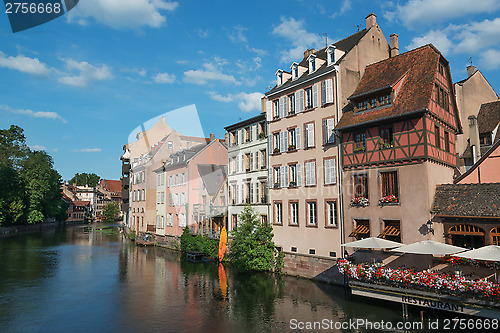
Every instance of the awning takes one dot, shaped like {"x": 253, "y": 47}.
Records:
{"x": 390, "y": 230}
{"x": 373, "y": 243}
{"x": 360, "y": 229}
{"x": 429, "y": 247}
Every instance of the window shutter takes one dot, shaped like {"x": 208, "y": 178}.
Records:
{"x": 299, "y": 101}
{"x": 269, "y": 110}
{"x": 251, "y": 162}
{"x": 270, "y": 177}
{"x": 330, "y": 131}
{"x": 256, "y": 161}
{"x": 285, "y": 140}
{"x": 307, "y": 173}
{"x": 281, "y": 142}
{"x": 325, "y": 131}
{"x": 287, "y": 176}
{"x": 313, "y": 173}
{"x": 329, "y": 91}
{"x": 282, "y": 176}
{"x": 285, "y": 106}
{"x": 242, "y": 163}
{"x": 251, "y": 132}
{"x": 297, "y": 137}
{"x": 333, "y": 176}
{"x": 282, "y": 106}
{"x": 315, "y": 96}
{"x": 299, "y": 175}
{"x": 310, "y": 135}
{"x": 323, "y": 92}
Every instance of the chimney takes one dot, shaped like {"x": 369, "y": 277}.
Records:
{"x": 308, "y": 52}
{"x": 371, "y": 20}
{"x": 471, "y": 70}
{"x": 212, "y": 137}
{"x": 394, "y": 45}
{"x": 474, "y": 138}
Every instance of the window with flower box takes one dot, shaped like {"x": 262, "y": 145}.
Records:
{"x": 359, "y": 141}
{"x": 361, "y": 186}
{"x": 389, "y": 186}
{"x": 387, "y": 137}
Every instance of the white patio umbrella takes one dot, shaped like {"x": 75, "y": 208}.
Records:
{"x": 429, "y": 247}
{"x": 373, "y": 243}
{"x": 487, "y": 253}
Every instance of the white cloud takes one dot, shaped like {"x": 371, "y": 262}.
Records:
{"x": 246, "y": 102}
{"x": 24, "y": 64}
{"x": 490, "y": 59}
{"x": 34, "y": 114}
{"x": 37, "y": 147}
{"x": 237, "y": 36}
{"x": 163, "y": 78}
{"x": 88, "y": 150}
{"x": 438, "y": 38}
{"x": 87, "y": 73}
{"x": 296, "y": 34}
{"x": 419, "y": 13}
{"x": 210, "y": 73}
{"x": 122, "y": 13}
{"x": 346, "y": 6}
{"x": 475, "y": 38}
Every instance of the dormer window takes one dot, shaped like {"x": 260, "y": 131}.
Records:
{"x": 330, "y": 55}
{"x": 295, "y": 71}
{"x": 279, "y": 77}
{"x": 312, "y": 63}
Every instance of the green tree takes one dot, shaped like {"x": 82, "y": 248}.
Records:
{"x": 111, "y": 211}
{"x": 30, "y": 187}
{"x": 252, "y": 247}
{"x": 82, "y": 179}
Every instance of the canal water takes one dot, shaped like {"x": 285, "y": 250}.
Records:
{"x": 81, "y": 279}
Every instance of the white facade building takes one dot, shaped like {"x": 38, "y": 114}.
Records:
{"x": 247, "y": 176}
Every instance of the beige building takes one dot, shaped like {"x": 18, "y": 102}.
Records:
{"x": 302, "y": 111}
{"x": 470, "y": 93}
{"x": 152, "y": 148}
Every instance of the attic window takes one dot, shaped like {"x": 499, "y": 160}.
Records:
{"x": 295, "y": 71}
{"x": 279, "y": 77}
{"x": 312, "y": 63}
{"x": 330, "y": 55}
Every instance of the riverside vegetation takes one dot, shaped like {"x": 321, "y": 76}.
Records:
{"x": 30, "y": 184}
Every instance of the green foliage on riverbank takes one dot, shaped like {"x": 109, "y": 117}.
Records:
{"x": 111, "y": 211}
{"x": 252, "y": 247}
{"x": 30, "y": 186}
{"x": 208, "y": 246}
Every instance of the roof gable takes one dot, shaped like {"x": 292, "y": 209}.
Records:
{"x": 411, "y": 75}
{"x": 488, "y": 117}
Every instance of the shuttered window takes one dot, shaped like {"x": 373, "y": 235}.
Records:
{"x": 329, "y": 170}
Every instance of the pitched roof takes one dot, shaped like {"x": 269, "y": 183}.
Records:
{"x": 467, "y": 200}
{"x": 488, "y": 117}
{"x": 81, "y": 203}
{"x": 416, "y": 69}
{"x": 345, "y": 45}
{"x": 213, "y": 176}
{"x": 112, "y": 185}
{"x": 484, "y": 155}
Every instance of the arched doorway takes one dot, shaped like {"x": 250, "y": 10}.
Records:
{"x": 495, "y": 236}
{"x": 466, "y": 235}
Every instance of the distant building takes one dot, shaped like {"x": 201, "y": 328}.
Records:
{"x": 186, "y": 192}
{"x": 248, "y": 173}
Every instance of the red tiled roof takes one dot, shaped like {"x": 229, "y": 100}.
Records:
{"x": 81, "y": 203}
{"x": 417, "y": 69}
{"x": 113, "y": 185}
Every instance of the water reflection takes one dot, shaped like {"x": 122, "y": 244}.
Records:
{"x": 83, "y": 279}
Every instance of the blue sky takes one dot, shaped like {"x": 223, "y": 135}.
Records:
{"x": 80, "y": 84}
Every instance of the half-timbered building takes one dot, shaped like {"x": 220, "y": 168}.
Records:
{"x": 398, "y": 143}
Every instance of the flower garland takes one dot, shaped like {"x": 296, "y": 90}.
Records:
{"x": 473, "y": 262}
{"x": 407, "y": 277}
